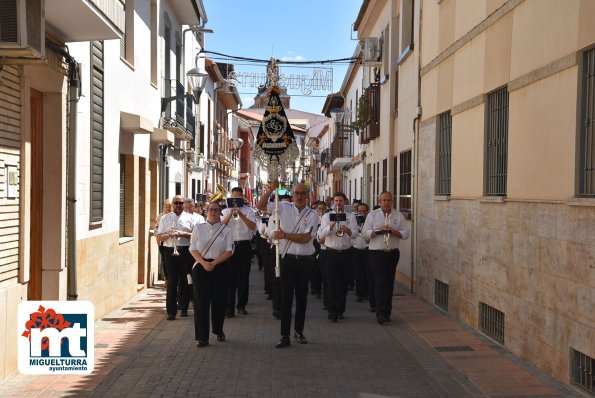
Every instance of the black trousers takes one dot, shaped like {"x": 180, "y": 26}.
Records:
{"x": 275, "y": 282}
{"x": 337, "y": 278}
{"x": 177, "y": 269}
{"x": 322, "y": 260}
{"x": 384, "y": 266}
{"x": 360, "y": 263}
{"x": 263, "y": 248}
{"x": 210, "y": 295}
{"x": 295, "y": 273}
{"x": 238, "y": 272}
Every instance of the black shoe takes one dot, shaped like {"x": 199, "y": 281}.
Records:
{"x": 283, "y": 342}
{"x": 184, "y": 313}
{"x": 171, "y": 317}
{"x": 269, "y": 297}
{"x": 202, "y": 343}
{"x": 318, "y": 295}
{"x": 381, "y": 319}
{"x": 230, "y": 314}
{"x": 372, "y": 309}
{"x": 300, "y": 338}
{"x": 359, "y": 300}
{"x": 242, "y": 311}
{"x": 332, "y": 317}
{"x": 340, "y": 316}
{"x": 221, "y": 337}
{"x": 277, "y": 314}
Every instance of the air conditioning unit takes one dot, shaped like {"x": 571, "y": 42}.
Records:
{"x": 372, "y": 53}
{"x": 22, "y": 30}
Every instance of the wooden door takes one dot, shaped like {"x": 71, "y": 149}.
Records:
{"x": 36, "y": 203}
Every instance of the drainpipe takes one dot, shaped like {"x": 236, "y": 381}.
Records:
{"x": 72, "y": 98}
{"x": 415, "y": 162}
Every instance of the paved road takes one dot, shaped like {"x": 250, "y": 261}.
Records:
{"x": 421, "y": 353}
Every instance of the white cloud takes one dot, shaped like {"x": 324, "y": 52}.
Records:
{"x": 293, "y": 58}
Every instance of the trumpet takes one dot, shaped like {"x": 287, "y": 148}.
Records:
{"x": 174, "y": 241}
{"x": 234, "y": 213}
{"x": 387, "y": 235}
{"x": 339, "y": 232}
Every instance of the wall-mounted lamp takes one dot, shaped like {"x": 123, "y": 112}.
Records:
{"x": 196, "y": 80}
{"x": 338, "y": 115}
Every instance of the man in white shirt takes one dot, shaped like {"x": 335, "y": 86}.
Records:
{"x": 175, "y": 230}
{"x": 384, "y": 228}
{"x": 338, "y": 236}
{"x": 295, "y": 232}
{"x": 242, "y": 229}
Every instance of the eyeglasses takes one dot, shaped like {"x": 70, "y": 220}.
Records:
{"x": 300, "y": 193}
{"x": 178, "y": 203}
{"x": 214, "y": 209}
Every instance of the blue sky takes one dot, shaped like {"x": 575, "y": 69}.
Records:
{"x": 304, "y": 30}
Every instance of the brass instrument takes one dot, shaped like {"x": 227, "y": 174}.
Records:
{"x": 386, "y": 235}
{"x": 339, "y": 233}
{"x": 234, "y": 212}
{"x": 220, "y": 194}
{"x": 174, "y": 240}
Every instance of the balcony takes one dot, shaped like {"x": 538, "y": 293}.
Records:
{"x": 325, "y": 157}
{"x": 370, "y": 128}
{"x": 341, "y": 150}
{"x": 183, "y": 120}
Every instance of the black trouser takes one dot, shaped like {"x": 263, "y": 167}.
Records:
{"x": 384, "y": 266}
{"x": 238, "y": 272}
{"x": 322, "y": 260}
{"x": 295, "y": 273}
{"x": 275, "y": 282}
{"x": 177, "y": 269}
{"x": 316, "y": 279}
{"x": 337, "y": 278}
{"x": 263, "y": 248}
{"x": 210, "y": 295}
{"x": 360, "y": 263}
{"x": 162, "y": 267}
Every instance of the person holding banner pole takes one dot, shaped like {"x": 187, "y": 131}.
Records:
{"x": 297, "y": 229}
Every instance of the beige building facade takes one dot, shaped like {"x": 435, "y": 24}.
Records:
{"x": 505, "y": 235}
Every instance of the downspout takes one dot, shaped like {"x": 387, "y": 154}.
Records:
{"x": 415, "y": 163}
{"x": 72, "y": 98}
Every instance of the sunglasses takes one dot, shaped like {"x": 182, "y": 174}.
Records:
{"x": 178, "y": 203}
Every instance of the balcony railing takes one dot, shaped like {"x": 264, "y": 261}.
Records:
{"x": 342, "y": 146}
{"x": 184, "y": 118}
{"x": 325, "y": 157}
{"x": 371, "y": 127}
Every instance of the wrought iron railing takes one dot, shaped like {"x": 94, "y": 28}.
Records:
{"x": 342, "y": 145}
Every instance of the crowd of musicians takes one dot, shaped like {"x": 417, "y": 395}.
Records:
{"x": 325, "y": 248}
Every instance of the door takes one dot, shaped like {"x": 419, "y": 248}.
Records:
{"x": 34, "y": 286}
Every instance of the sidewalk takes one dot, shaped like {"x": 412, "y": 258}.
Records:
{"x": 421, "y": 353}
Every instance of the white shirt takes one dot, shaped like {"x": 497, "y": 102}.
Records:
{"x": 358, "y": 241}
{"x": 239, "y": 229}
{"x": 289, "y": 216}
{"x": 184, "y": 222}
{"x": 376, "y": 221}
{"x": 198, "y": 219}
{"x": 201, "y": 235}
{"x": 332, "y": 240}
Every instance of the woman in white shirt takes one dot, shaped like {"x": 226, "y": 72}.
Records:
{"x": 211, "y": 245}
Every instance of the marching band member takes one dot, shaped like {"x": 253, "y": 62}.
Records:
{"x": 360, "y": 256}
{"x": 174, "y": 231}
{"x": 384, "y": 227}
{"x": 242, "y": 228}
{"x": 297, "y": 229}
{"x": 211, "y": 246}
{"x": 338, "y": 236}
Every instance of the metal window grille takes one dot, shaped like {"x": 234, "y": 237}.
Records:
{"x": 497, "y": 143}
{"x": 405, "y": 181}
{"x": 441, "y": 294}
{"x": 444, "y": 153}
{"x": 587, "y": 141}
{"x": 122, "y": 196}
{"x": 384, "y": 174}
{"x": 97, "y": 130}
{"x": 583, "y": 368}
{"x": 491, "y": 322}
{"x": 395, "y": 180}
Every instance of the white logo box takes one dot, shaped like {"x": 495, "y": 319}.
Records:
{"x": 41, "y": 327}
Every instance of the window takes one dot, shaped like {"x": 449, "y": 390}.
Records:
{"x": 126, "y": 195}
{"x": 395, "y": 179}
{"x": 154, "y": 38}
{"x": 127, "y": 42}
{"x": 405, "y": 181}
{"x": 587, "y": 138}
{"x": 444, "y": 150}
{"x": 497, "y": 143}
{"x": 406, "y": 29}
{"x": 385, "y": 51}
{"x": 384, "y": 174}
{"x": 97, "y": 132}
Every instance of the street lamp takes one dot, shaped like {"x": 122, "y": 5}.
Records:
{"x": 236, "y": 145}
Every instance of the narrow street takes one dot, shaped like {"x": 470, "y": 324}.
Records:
{"x": 421, "y": 353}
